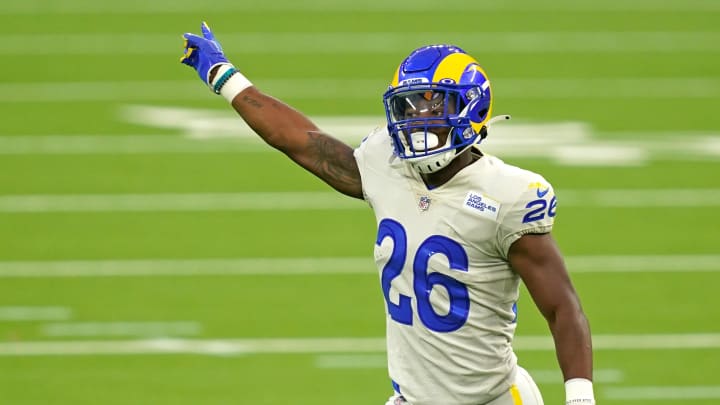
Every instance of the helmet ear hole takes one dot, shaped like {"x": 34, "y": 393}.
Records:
{"x": 481, "y": 114}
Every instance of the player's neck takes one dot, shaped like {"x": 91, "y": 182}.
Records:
{"x": 437, "y": 179}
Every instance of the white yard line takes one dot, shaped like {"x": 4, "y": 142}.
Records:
{"x": 663, "y": 393}
{"x": 333, "y": 43}
{"x": 127, "y": 144}
{"x": 641, "y": 198}
{"x": 296, "y": 201}
{"x": 370, "y": 361}
{"x": 327, "y": 345}
{"x": 193, "y": 7}
{"x": 192, "y": 267}
{"x": 600, "y": 376}
{"x": 202, "y": 131}
{"x": 363, "y": 89}
{"x": 35, "y": 313}
{"x": 143, "y": 329}
{"x": 644, "y": 263}
{"x": 196, "y": 346}
{"x": 180, "y": 202}
{"x": 321, "y": 266}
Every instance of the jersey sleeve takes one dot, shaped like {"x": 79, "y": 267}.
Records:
{"x": 366, "y": 156}
{"x": 360, "y": 154}
{"x": 532, "y": 212}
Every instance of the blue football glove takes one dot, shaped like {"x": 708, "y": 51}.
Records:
{"x": 203, "y": 53}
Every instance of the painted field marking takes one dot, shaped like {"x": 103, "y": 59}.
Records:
{"x": 195, "y": 346}
{"x": 335, "y": 43}
{"x": 600, "y": 376}
{"x": 82, "y": 7}
{"x": 296, "y": 201}
{"x": 636, "y": 88}
{"x": 210, "y": 131}
{"x": 180, "y": 202}
{"x": 663, "y": 393}
{"x": 371, "y": 361}
{"x": 34, "y": 313}
{"x": 321, "y": 266}
{"x": 647, "y": 198}
{"x": 327, "y": 345}
{"x": 123, "y": 145}
{"x": 190, "y": 267}
{"x": 362, "y": 89}
{"x": 643, "y": 263}
{"x": 572, "y": 143}
{"x": 144, "y": 329}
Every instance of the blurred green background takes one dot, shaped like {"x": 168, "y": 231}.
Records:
{"x": 152, "y": 251}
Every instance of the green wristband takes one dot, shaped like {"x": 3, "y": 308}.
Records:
{"x": 223, "y": 79}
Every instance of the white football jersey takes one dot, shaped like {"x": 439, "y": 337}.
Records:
{"x": 450, "y": 293}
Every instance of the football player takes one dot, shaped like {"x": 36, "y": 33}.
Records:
{"x": 458, "y": 229}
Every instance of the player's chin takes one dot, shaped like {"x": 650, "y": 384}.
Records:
{"x": 442, "y": 134}
{"x": 431, "y": 150}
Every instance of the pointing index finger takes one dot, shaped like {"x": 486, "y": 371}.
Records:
{"x": 206, "y": 31}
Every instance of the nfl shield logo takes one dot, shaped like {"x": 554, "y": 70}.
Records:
{"x": 424, "y": 203}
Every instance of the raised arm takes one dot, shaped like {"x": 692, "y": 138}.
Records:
{"x": 278, "y": 124}
{"x": 537, "y": 259}
{"x": 289, "y": 131}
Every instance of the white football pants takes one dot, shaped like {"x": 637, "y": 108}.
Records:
{"x": 523, "y": 392}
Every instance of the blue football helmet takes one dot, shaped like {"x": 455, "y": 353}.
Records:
{"x": 439, "y": 91}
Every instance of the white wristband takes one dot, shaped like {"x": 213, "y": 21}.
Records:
{"x": 579, "y": 391}
{"x": 233, "y": 82}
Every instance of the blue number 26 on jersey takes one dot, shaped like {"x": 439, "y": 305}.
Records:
{"x": 424, "y": 282}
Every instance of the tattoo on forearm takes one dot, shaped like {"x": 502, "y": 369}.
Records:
{"x": 335, "y": 162}
{"x": 253, "y": 102}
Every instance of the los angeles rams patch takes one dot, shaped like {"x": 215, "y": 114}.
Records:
{"x": 481, "y": 205}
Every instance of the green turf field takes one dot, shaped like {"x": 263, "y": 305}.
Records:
{"x": 153, "y": 252}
